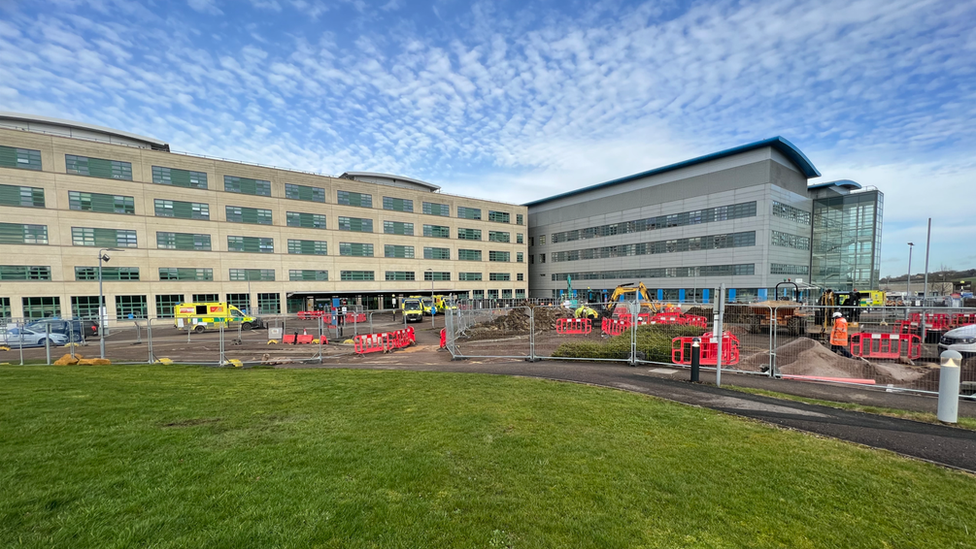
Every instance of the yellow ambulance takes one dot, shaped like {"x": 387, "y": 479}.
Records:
{"x": 200, "y": 317}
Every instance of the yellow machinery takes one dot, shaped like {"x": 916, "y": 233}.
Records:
{"x": 647, "y": 305}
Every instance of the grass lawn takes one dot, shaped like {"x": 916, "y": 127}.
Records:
{"x": 171, "y": 456}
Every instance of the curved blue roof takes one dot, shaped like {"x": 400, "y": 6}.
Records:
{"x": 846, "y": 183}
{"x": 779, "y": 144}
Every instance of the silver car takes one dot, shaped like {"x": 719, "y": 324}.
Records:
{"x": 961, "y": 339}
{"x": 13, "y": 336}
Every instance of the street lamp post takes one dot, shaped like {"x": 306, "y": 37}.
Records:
{"x": 431, "y": 271}
{"x": 102, "y": 256}
{"x": 908, "y": 290}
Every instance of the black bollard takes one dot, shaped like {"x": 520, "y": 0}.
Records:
{"x": 296, "y": 339}
{"x": 695, "y": 358}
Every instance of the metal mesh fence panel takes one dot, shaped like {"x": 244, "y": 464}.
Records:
{"x": 491, "y": 332}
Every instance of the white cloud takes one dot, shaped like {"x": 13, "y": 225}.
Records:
{"x": 205, "y": 6}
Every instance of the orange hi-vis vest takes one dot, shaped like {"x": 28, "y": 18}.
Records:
{"x": 839, "y": 335}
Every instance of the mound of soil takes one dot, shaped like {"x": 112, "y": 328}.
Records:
{"x": 516, "y": 322}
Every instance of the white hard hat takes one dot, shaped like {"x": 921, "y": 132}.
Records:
{"x": 838, "y": 314}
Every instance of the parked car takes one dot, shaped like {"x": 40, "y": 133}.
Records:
{"x": 74, "y": 329}
{"x": 961, "y": 339}
{"x": 13, "y": 336}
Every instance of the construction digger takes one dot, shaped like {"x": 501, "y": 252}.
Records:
{"x": 596, "y": 312}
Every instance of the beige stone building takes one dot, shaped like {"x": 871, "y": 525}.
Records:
{"x": 189, "y": 228}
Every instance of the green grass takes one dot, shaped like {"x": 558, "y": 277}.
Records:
{"x": 654, "y": 340}
{"x": 925, "y": 417}
{"x": 168, "y": 456}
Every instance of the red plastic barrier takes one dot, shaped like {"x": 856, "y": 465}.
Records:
{"x": 371, "y": 343}
{"x": 353, "y": 318}
{"x": 666, "y": 318}
{"x": 681, "y": 350}
{"x": 614, "y": 327}
{"x": 443, "y": 337}
{"x": 886, "y": 346}
{"x": 288, "y": 338}
{"x": 310, "y": 314}
{"x": 411, "y": 336}
{"x": 963, "y": 319}
{"x": 574, "y": 326}
{"x": 305, "y": 339}
{"x": 695, "y": 320}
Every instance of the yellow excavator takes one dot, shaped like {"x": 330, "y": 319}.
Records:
{"x": 596, "y": 312}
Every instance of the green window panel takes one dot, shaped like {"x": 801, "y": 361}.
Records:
{"x": 24, "y": 272}
{"x": 174, "y": 273}
{"x": 17, "y": 233}
{"x": 269, "y": 304}
{"x": 131, "y": 306}
{"x": 440, "y": 276}
{"x": 104, "y": 203}
{"x": 355, "y": 224}
{"x": 25, "y": 197}
{"x": 206, "y": 298}
{"x": 500, "y": 276}
{"x": 183, "y": 241}
{"x": 295, "y": 304}
{"x": 469, "y": 255}
{"x": 469, "y": 277}
{"x": 98, "y": 167}
{"x": 506, "y": 294}
{"x": 306, "y": 220}
{"x": 520, "y": 277}
{"x": 519, "y": 257}
{"x": 27, "y": 159}
{"x": 519, "y": 294}
{"x": 103, "y": 238}
{"x": 181, "y": 210}
{"x": 355, "y": 249}
{"x": 499, "y": 256}
{"x": 437, "y": 253}
{"x": 499, "y": 217}
{"x": 265, "y": 275}
{"x": 85, "y": 306}
{"x": 308, "y": 247}
{"x": 348, "y": 198}
{"x": 253, "y": 216}
{"x": 108, "y": 273}
{"x": 179, "y": 178}
{"x": 404, "y": 252}
{"x": 250, "y": 244}
{"x": 4, "y": 307}
{"x": 469, "y": 213}
{"x": 356, "y": 275}
{"x": 308, "y": 274}
{"x": 492, "y": 294}
{"x": 469, "y": 234}
{"x": 400, "y": 276}
{"x": 496, "y": 236}
{"x": 166, "y": 305}
{"x": 477, "y": 294}
{"x": 303, "y": 192}
{"x": 519, "y": 219}
{"x": 519, "y": 238}
{"x": 433, "y": 208}
{"x": 437, "y": 231}
{"x": 246, "y": 185}
{"x": 398, "y": 227}
{"x": 41, "y": 307}
{"x": 241, "y": 301}
{"x": 397, "y": 204}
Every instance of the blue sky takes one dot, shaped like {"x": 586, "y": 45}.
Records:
{"x": 518, "y": 100}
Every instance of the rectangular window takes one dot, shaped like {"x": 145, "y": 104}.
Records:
{"x": 356, "y": 275}
{"x": 477, "y": 294}
{"x": 519, "y": 257}
{"x": 519, "y": 294}
{"x": 500, "y": 276}
{"x": 308, "y": 274}
{"x": 469, "y": 234}
{"x": 439, "y": 276}
{"x": 469, "y": 255}
{"x": 253, "y": 216}
{"x": 104, "y": 203}
{"x": 519, "y": 219}
{"x": 16, "y": 233}
{"x": 4, "y": 307}
{"x": 437, "y": 253}
{"x": 302, "y": 192}
{"x": 437, "y": 231}
{"x": 264, "y": 275}
{"x": 174, "y": 273}
{"x": 519, "y": 239}
{"x": 404, "y": 252}
{"x": 305, "y": 220}
{"x": 499, "y": 256}
{"x": 25, "y": 197}
{"x": 269, "y": 304}
{"x": 131, "y": 306}
{"x": 85, "y": 306}
{"x": 400, "y": 276}
{"x": 469, "y": 277}
{"x": 250, "y": 244}
{"x": 103, "y": 238}
{"x": 24, "y": 272}
{"x": 98, "y": 167}
{"x": 520, "y": 277}
{"x": 433, "y": 208}
{"x": 348, "y": 198}
{"x": 785, "y": 269}
{"x": 398, "y": 227}
{"x": 468, "y": 213}
{"x": 496, "y": 236}
{"x": 787, "y": 240}
{"x": 41, "y": 307}
{"x": 208, "y": 298}
{"x": 308, "y": 247}
{"x": 506, "y": 294}
{"x": 542, "y": 240}
{"x": 492, "y": 294}
{"x": 181, "y": 210}
{"x": 246, "y": 185}
{"x": 355, "y": 224}
{"x": 166, "y": 303}
{"x": 355, "y": 249}
{"x": 108, "y": 273}
{"x": 183, "y": 241}
{"x": 789, "y": 212}
{"x": 179, "y": 178}
{"x": 499, "y": 217}
{"x": 27, "y": 159}
{"x": 241, "y": 301}
{"x": 397, "y": 204}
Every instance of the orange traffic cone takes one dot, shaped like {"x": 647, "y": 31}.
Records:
{"x": 304, "y": 331}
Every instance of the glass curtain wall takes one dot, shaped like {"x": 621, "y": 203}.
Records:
{"x": 846, "y": 251}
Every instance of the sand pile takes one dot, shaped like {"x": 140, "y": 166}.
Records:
{"x": 516, "y": 322}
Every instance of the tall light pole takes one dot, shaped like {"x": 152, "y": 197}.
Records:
{"x": 908, "y": 291}
{"x": 102, "y": 256}
{"x": 434, "y": 309}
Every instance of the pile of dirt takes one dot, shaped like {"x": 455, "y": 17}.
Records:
{"x": 930, "y": 380}
{"x": 706, "y": 312}
{"x": 516, "y": 322}
{"x": 807, "y": 357}
{"x": 68, "y": 360}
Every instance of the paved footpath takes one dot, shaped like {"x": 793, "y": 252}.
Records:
{"x": 944, "y": 445}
